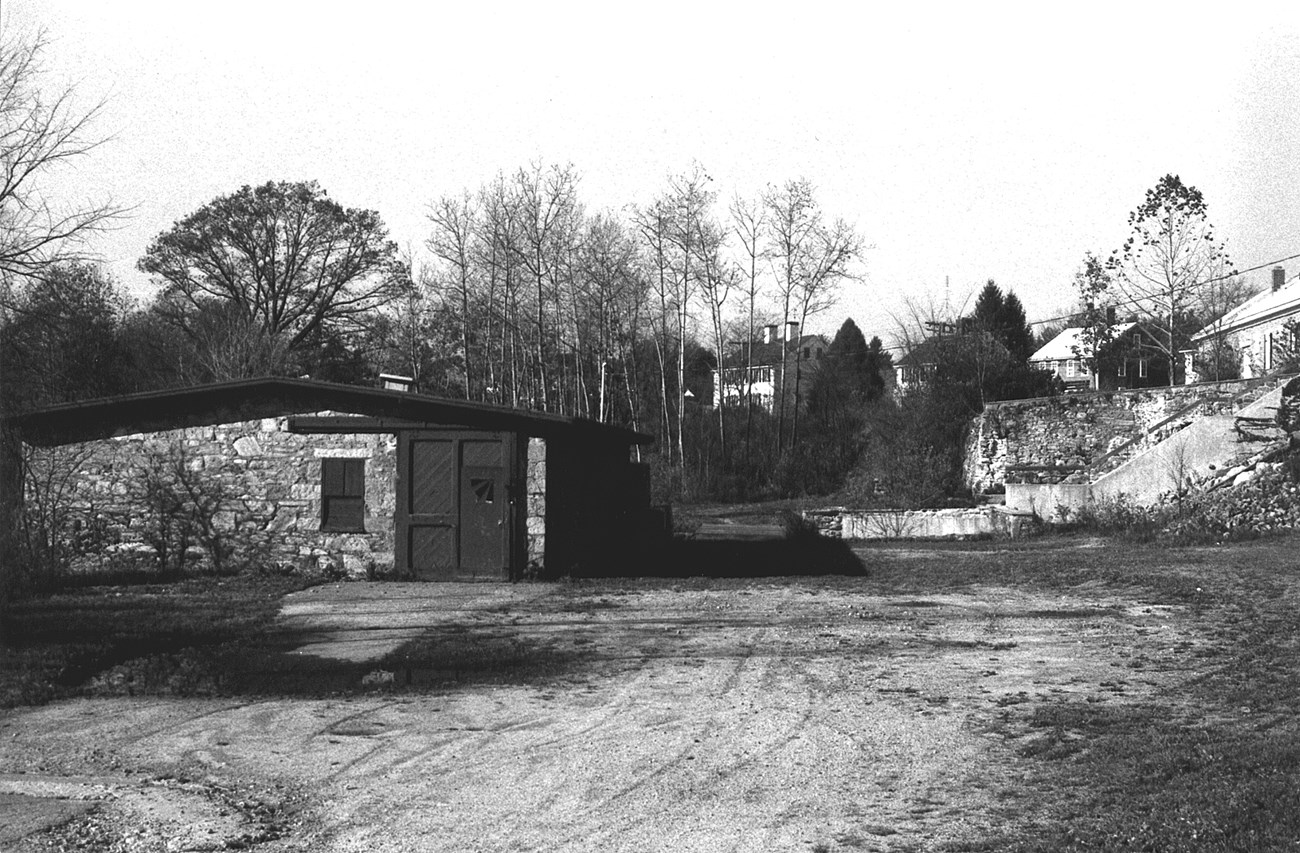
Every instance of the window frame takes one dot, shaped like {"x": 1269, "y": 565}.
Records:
{"x": 343, "y": 483}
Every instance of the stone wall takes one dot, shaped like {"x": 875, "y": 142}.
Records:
{"x": 535, "y": 523}
{"x": 259, "y": 483}
{"x": 1049, "y": 439}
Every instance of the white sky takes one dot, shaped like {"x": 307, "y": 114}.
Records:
{"x": 965, "y": 141}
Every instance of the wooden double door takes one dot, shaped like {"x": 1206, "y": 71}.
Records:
{"x": 455, "y": 514}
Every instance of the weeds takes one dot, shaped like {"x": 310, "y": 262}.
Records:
{"x": 155, "y": 638}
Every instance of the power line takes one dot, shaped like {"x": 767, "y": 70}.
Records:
{"x": 1225, "y": 277}
{"x": 1129, "y": 303}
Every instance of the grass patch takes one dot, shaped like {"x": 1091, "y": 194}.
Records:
{"x": 1212, "y": 766}
{"x": 144, "y": 638}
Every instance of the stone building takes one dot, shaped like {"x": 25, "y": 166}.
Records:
{"x": 309, "y": 475}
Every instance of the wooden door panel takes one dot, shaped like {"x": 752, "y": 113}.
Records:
{"x": 433, "y": 473}
{"x": 453, "y": 505}
{"x": 482, "y": 519}
{"x": 432, "y": 550}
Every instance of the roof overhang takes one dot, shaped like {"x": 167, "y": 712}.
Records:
{"x": 253, "y": 399}
{"x": 1225, "y": 326}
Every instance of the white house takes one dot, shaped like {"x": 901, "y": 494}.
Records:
{"x": 754, "y": 371}
{"x": 1261, "y": 330}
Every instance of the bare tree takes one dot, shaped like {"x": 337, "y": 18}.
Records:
{"x": 717, "y": 280}
{"x": 452, "y": 241}
{"x": 810, "y": 257}
{"x": 547, "y": 201}
{"x": 749, "y": 225}
{"x": 1171, "y": 253}
{"x": 499, "y": 250}
{"x": 39, "y": 131}
{"x": 653, "y": 224}
{"x": 1216, "y": 358}
{"x": 612, "y": 295}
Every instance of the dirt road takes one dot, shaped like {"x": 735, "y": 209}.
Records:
{"x": 810, "y": 714}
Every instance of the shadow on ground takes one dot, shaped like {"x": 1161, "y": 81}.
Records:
{"x": 741, "y": 558}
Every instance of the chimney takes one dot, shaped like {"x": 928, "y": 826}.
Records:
{"x": 792, "y": 330}
{"x": 392, "y": 382}
{"x": 769, "y": 334}
{"x": 1279, "y": 278}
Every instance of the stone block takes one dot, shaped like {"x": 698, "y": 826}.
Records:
{"x": 285, "y": 518}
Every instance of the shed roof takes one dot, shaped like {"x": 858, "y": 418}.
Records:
{"x": 251, "y": 399}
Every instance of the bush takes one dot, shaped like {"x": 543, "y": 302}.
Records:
{"x": 1268, "y": 503}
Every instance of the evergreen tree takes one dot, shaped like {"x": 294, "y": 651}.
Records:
{"x": 1003, "y": 317}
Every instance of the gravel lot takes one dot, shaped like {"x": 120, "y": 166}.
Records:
{"x": 813, "y": 714}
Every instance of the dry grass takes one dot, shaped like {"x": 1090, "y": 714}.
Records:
{"x": 1213, "y": 769}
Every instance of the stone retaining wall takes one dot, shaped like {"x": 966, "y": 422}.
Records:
{"x": 1048, "y": 439}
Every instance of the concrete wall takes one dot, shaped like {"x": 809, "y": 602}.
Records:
{"x": 1049, "y": 501}
{"x": 964, "y": 523}
{"x": 1212, "y": 443}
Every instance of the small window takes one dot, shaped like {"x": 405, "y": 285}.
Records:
{"x": 1072, "y": 368}
{"x": 343, "y": 495}
{"x": 1122, "y": 370}
{"x": 484, "y": 489}
{"x": 1142, "y": 368}
{"x": 807, "y": 353}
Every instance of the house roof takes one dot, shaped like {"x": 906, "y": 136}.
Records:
{"x": 773, "y": 353}
{"x": 1063, "y": 346}
{"x": 1260, "y": 308}
{"x": 933, "y": 350}
{"x": 252, "y": 399}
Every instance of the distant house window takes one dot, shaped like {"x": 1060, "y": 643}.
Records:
{"x": 1122, "y": 370}
{"x": 807, "y": 353}
{"x": 1072, "y": 368}
{"x": 1142, "y": 368}
{"x": 343, "y": 495}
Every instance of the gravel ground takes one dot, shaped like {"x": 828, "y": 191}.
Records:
{"x": 803, "y": 714}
